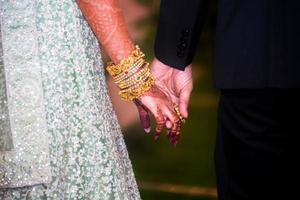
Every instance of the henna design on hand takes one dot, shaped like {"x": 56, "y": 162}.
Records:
{"x": 156, "y": 95}
{"x": 107, "y": 21}
{"x": 144, "y": 116}
{"x": 160, "y": 123}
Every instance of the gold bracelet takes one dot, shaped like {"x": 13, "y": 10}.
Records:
{"x": 134, "y": 69}
{"x": 132, "y": 75}
{"x": 131, "y": 95}
{"x": 134, "y": 78}
{"x": 125, "y": 64}
{"x": 132, "y": 72}
{"x": 137, "y": 89}
{"x": 134, "y": 85}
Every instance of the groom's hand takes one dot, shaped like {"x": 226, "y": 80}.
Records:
{"x": 178, "y": 86}
{"x": 175, "y": 83}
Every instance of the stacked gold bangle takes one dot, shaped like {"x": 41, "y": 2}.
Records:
{"x": 132, "y": 75}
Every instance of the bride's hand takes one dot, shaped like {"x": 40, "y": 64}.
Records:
{"x": 161, "y": 107}
{"x": 108, "y": 24}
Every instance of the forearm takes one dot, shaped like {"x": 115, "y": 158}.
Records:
{"x": 107, "y": 22}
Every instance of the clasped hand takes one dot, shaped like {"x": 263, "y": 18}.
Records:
{"x": 172, "y": 88}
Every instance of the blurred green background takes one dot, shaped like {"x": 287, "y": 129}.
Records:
{"x": 187, "y": 171}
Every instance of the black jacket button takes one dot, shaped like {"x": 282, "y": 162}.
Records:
{"x": 186, "y": 32}
{"x": 183, "y": 44}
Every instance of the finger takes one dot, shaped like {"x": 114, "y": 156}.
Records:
{"x": 184, "y": 99}
{"x": 176, "y": 133}
{"x": 144, "y": 117}
{"x": 169, "y": 124}
{"x": 176, "y": 140}
{"x": 170, "y": 113}
{"x": 145, "y": 120}
{"x": 176, "y": 136}
{"x": 175, "y": 128}
{"x": 153, "y": 107}
{"x": 160, "y": 123}
{"x": 173, "y": 117}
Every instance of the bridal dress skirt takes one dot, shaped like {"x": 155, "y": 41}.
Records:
{"x": 60, "y": 138}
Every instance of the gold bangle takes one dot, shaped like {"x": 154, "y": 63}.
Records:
{"x": 134, "y": 69}
{"x": 135, "y": 85}
{"x": 125, "y": 64}
{"x": 134, "y": 78}
{"x": 133, "y": 75}
{"x": 131, "y": 95}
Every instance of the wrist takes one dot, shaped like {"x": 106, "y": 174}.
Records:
{"x": 132, "y": 75}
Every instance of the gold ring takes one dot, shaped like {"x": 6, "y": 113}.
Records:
{"x": 176, "y": 108}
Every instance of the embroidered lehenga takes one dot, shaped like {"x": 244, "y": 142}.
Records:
{"x": 59, "y": 137}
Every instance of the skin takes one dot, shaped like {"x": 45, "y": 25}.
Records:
{"x": 177, "y": 84}
{"x": 108, "y": 24}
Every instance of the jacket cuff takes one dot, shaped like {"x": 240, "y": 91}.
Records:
{"x": 172, "y": 45}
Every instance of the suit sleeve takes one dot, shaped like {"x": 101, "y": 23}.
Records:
{"x": 178, "y": 30}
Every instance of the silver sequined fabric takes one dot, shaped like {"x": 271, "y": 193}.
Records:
{"x": 60, "y": 138}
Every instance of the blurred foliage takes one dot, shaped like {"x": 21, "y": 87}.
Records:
{"x": 148, "y": 24}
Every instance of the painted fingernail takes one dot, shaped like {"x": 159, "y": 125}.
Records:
{"x": 147, "y": 130}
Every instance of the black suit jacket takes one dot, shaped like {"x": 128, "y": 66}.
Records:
{"x": 257, "y": 41}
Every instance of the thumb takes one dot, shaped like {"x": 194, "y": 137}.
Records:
{"x": 184, "y": 100}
